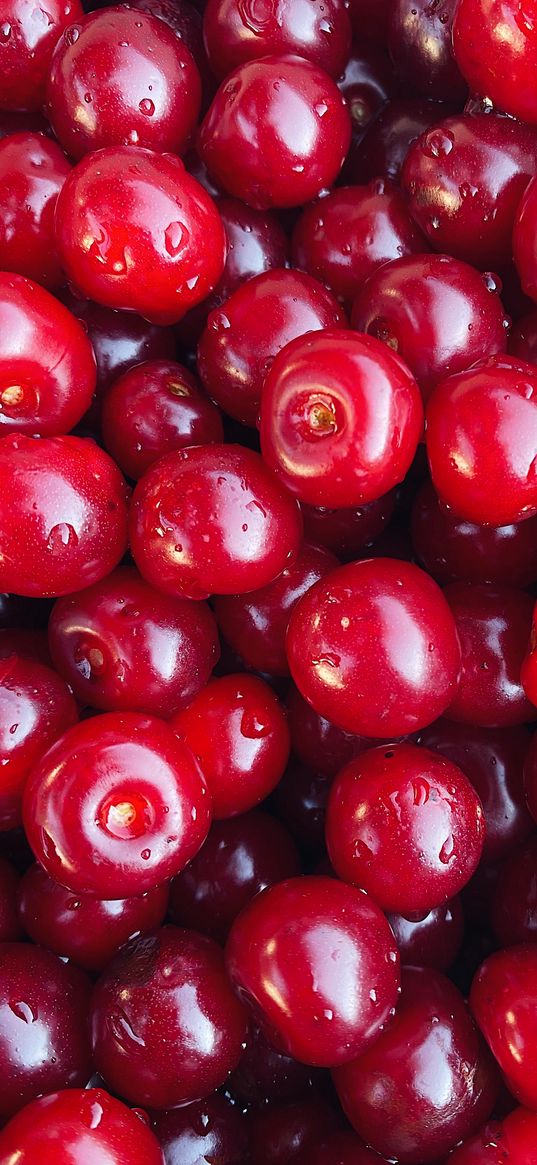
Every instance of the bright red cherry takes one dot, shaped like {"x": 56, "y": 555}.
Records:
{"x": 513, "y": 906}
{"x": 278, "y": 1132}
{"x": 186, "y": 21}
{"x": 374, "y": 648}
{"x": 71, "y": 501}
{"x": 28, "y": 35}
{"x": 209, "y": 1130}
{"x": 420, "y": 44}
{"x": 510, "y": 1143}
{"x": 236, "y": 32}
{"x": 212, "y": 519}
{"x": 32, "y": 173}
{"x": 120, "y": 339}
{"x": 123, "y": 646}
{"x": 135, "y": 231}
{"x": 87, "y": 1124}
{"x": 427, "y": 1081}
{"x": 486, "y": 473}
{"x": 388, "y": 138}
{"x": 504, "y": 1001}
{"x": 433, "y": 940}
{"x": 10, "y": 924}
{"x": 276, "y": 133}
{"x": 495, "y": 44}
{"x": 317, "y": 962}
{"x": 166, "y": 1027}
{"x": 116, "y": 806}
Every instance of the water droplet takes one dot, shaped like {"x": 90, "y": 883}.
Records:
{"x": 258, "y": 16}
{"x": 23, "y": 1011}
{"x": 421, "y": 790}
{"x": 5, "y": 31}
{"x": 361, "y": 850}
{"x": 71, "y": 35}
{"x": 492, "y": 282}
{"x": 145, "y": 855}
{"x": 176, "y": 237}
{"x": 147, "y": 107}
{"x": 325, "y": 26}
{"x": 218, "y": 321}
{"x": 447, "y": 851}
{"x": 192, "y": 283}
{"x": 373, "y": 995}
{"x": 328, "y": 1013}
{"x": 438, "y": 143}
{"x": 61, "y": 536}
{"x": 123, "y": 1031}
{"x": 13, "y": 729}
{"x": 252, "y": 727}
{"x": 467, "y": 190}
{"x": 321, "y": 108}
{"x": 298, "y": 168}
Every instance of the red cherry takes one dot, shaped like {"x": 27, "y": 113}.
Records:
{"x": 495, "y": 44}
{"x": 119, "y": 339}
{"x": 510, "y": 1143}
{"x": 366, "y": 83}
{"x": 388, "y": 138}
{"x": 278, "y": 1132}
{"x": 300, "y": 802}
{"x": 318, "y": 743}
{"x": 27, "y": 38}
{"x": 266, "y": 1075}
{"x": 235, "y": 33}
{"x": 348, "y": 531}
{"x": 433, "y": 940}
{"x": 186, "y": 22}
{"x": 32, "y": 172}
{"x": 339, "y": 1149}
{"x": 420, "y": 44}
{"x": 370, "y": 17}
{"x": 10, "y": 925}
{"x": 513, "y": 906}
{"x": 503, "y": 999}
{"x": 212, "y": 1130}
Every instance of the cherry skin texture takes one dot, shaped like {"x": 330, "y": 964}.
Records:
{"x": 493, "y": 625}
{"x": 212, "y": 519}
{"x": 359, "y": 648}
{"x": 234, "y": 33}
{"x": 276, "y": 133}
{"x": 255, "y": 625}
{"x": 71, "y": 501}
{"x": 166, "y": 1027}
{"x": 513, "y": 906}
{"x": 239, "y": 858}
{"x": 503, "y": 1000}
{"x": 510, "y": 1143}
{"x": 10, "y": 925}
{"x": 431, "y": 941}
{"x": 32, "y": 172}
{"x": 90, "y": 1125}
{"x": 391, "y": 1093}
{"x": 123, "y": 646}
{"x": 419, "y": 40}
{"x": 119, "y": 339}
{"x": 343, "y": 238}
{"x": 487, "y": 473}
{"x": 47, "y": 366}
{"x": 388, "y": 138}
{"x": 117, "y": 806}
{"x": 26, "y": 46}
{"x": 242, "y": 338}
{"x": 348, "y": 531}
{"x": 88, "y": 931}
{"x": 524, "y": 249}
{"x": 437, "y": 313}
{"x": 278, "y": 1132}
{"x": 341, "y": 418}
{"x": 44, "y": 1041}
{"x": 318, "y": 743}
{"x": 210, "y": 1130}
{"x": 406, "y": 826}
{"x": 266, "y": 1075}
{"x": 317, "y": 962}
{"x": 495, "y": 45}
{"x": 36, "y": 707}
{"x": 135, "y": 231}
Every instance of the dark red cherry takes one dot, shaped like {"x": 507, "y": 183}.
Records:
{"x": 212, "y": 519}
{"x": 86, "y": 1123}
{"x": 32, "y": 172}
{"x": 186, "y": 22}
{"x": 317, "y": 962}
{"x": 278, "y": 1132}
{"x": 370, "y": 18}
{"x": 10, "y": 924}
{"x": 386, "y": 142}
{"x": 119, "y": 339}
{"x": 13, "y": 121}
{"x": 504, "y": 1001}
{"x": 495, "y": 43}
{"x": 83, "y": 929}
{"x": 318, "y": 743}
{"x": 392, "y": 1093}
{"x": 523, "y": 338}
{"x": 117, "y": 806}
{"x": 513, "y": 906}
{"x": 166, "y": 1027}
{"x": 374, "y": 648}
{"x": 524, "y": 250}
{"x": 239, "y": 858}
{"x": 236, "y": 32}
{"x": 366, "y": 83}
{"x": 71, "y": 501}
{"x": 276, "y": 133}
{"x": 348, "y": 531}
{"x": 510, "y": 1143}
{"x": 265, "y": 1075}
{"x": 28, "y": 35}
{"x": 437, "y": 313}
{"x": 420, "y": 44}
{"x": 530, "y": 777}
{"x": 343, "y": 1148}
{"x": 43, "y": 1025}
{"x": 122, "y": 646}
{"x": 209, "y": 1130}
{"x": 433, "y": 940}
{"x": 300, "y": 802}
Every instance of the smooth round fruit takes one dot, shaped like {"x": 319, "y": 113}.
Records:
{"x": 120, "y": 339}
{"x": 28, "y": 35}
{"x": 510, "y": 1143}
{"x": 316, "y": 742}
{"x": 266, "y": 1075}
{"x": 495, "y": 43}
{"x": 32, "y": 172}
{"x": 420, "y": 44}
{"x": 388, "y": 138}
{"x": 366, "y": 83}
{"x": 236, "y": 32}
{"x": 433, "y": 940}
{"x": 209, "y": 1130}
{"x": 524, "y": 250}
{"x": 348, "y": 531}
{"x": 278, "y": 1132}
{"x": 503, "y": 999}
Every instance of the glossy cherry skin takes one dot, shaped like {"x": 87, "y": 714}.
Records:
{"x": 166, "y": 1027}
{"x": 493, "y": 625}
{"x": 212, "y": 519}
{"x": 242, "y": 338}
{"x": 388, "y": 138}
{"x": 486, "y": 474}
{"x": 524, "y": 250}
{"x": 503, "y": 998}
{"x": 343, "y": 238}
{"x": 455, "y": 550}
{"x": 71, "y": 501}
{"x": 123, "y": 646}
{"x": 47, "y": 366}
{"x": 209, "y": 1130}
{"x": 27, "y": 39}
{"x": 392, "y": 1093}
{"x": 10, "y": 924}
{"x": 510, "y": 1143}
{"x": 32, "y": 172}
{"x": 88, "y": 1124}
{"x": 341, "y": 418}
{"x": 366, "y": 83}
{"x": 523, "y": 338}
{"x": 495, "y": 45}
{"x": 405, "y": 826}
{"x": 317, "y": 962}
{"x": 464, "y": 179}
{"x": 36, "y": 707}
{"x": 437, "y": 313}
{"x": 318, "y": 743}
{"x": 278, "y": 1132}
{"x": 433, "y": 940}
{"x": 117, "y": 806}
{"x": 513, "y": 906}
{"x": 135, "y": 231}
{"x": 276, "y": 133}
{"x": 419, "y": 40}
{"x": 342, "y": 1148}
{"x": 119, "y": 339}
{"x": 265, "y": 1075}
{"x": 235, "y": 33}
{"x": 255, "y": 625}
{"x": 359, "y": 648}
{"x": 44, "y": 1040}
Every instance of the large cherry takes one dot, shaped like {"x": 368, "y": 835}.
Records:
{"x": 236, "y": 32}
{"x": 209, "y": 1130}
{"x": 348, "y": 531}
{"x": 266, "y": 1075}
{"x": 504, "y": 1001}
{"x": 27, "y": 38}
{"x": 495, "y": 44}
{"x": 316, "y": 741}
{"x": 513, "y": 905}
{"x": 388, "y": 138}
{"x": 120, "y": 339}
{"x": 511, "y": 1142}
{"x": 433, "y": 940}
{"x": 32, "y": 173}
{"x": 419, "y": 39}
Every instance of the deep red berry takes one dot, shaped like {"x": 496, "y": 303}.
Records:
{"x": 495, "y": 44}
{"x": 32, "y": 172}
{"x": 503, "y": 1000}
{"x": 210, "y": 1129}
{"x": 433, "y": 940}
{"x": 513, "y": 906}
{"x": 28, "y": 35}
{"x": 278, "y": 1132}
{"x": 419, "y": 39}
{"x": 236, "y": 32}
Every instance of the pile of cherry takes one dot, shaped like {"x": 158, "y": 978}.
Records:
{"x": 268, "y": 563}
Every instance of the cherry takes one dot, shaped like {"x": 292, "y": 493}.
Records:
{"x": 300, "y": 802}
{"x": 70, "y": 499}
{"x": 265, "y": 1075}
{"x": 437, "y": 313}
{"x": 524, "y": 251}
{"x": 212, "y": 518}
{"x": 530, "y": 778}
{"x": 235, "y": 33}
{"x": 340, "y": 1149}
{"x": 276, "y": 133}
{"x": 317, "y": 962}
{"x": 120, "y": 339}
{"x": 348, "y": 531}
{"x": 373, "y": 647}
{"x": 487, "y": 474}
{"x": 36, "y": 706}
{"x": 209, "y": 1130}
{"x": 116, "y": 806}
{"x": 495, "y": 47}
{"x": 366, "y": 83}
{"x": 109, "y": 254}
{"x": 27, "y": 38}
{"x": 391, "y": 1093}
{"x": 86, "y": 1123}
{"x": 32, "y": 172}
{"x": 255, "y": 624}
{"x": 433, "y": 940}
{"x": 388, "y": 138}
{"x": 318, "y": 743}
{"x": 503, "y": 999}
{"x": 10, "y": 925}
{"x": 420, "y": 44}
{"x": 513, "y": 907}
{"x": 523, "y": 338}
{"x": 122, "y": 646}
{"x": 239, "y": 858}
{"x": 512, "y": 1141}
{"x": 166, "y": 1027}
{"x": 43, "y": 1037}
{"x": 279, "y": 1132}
